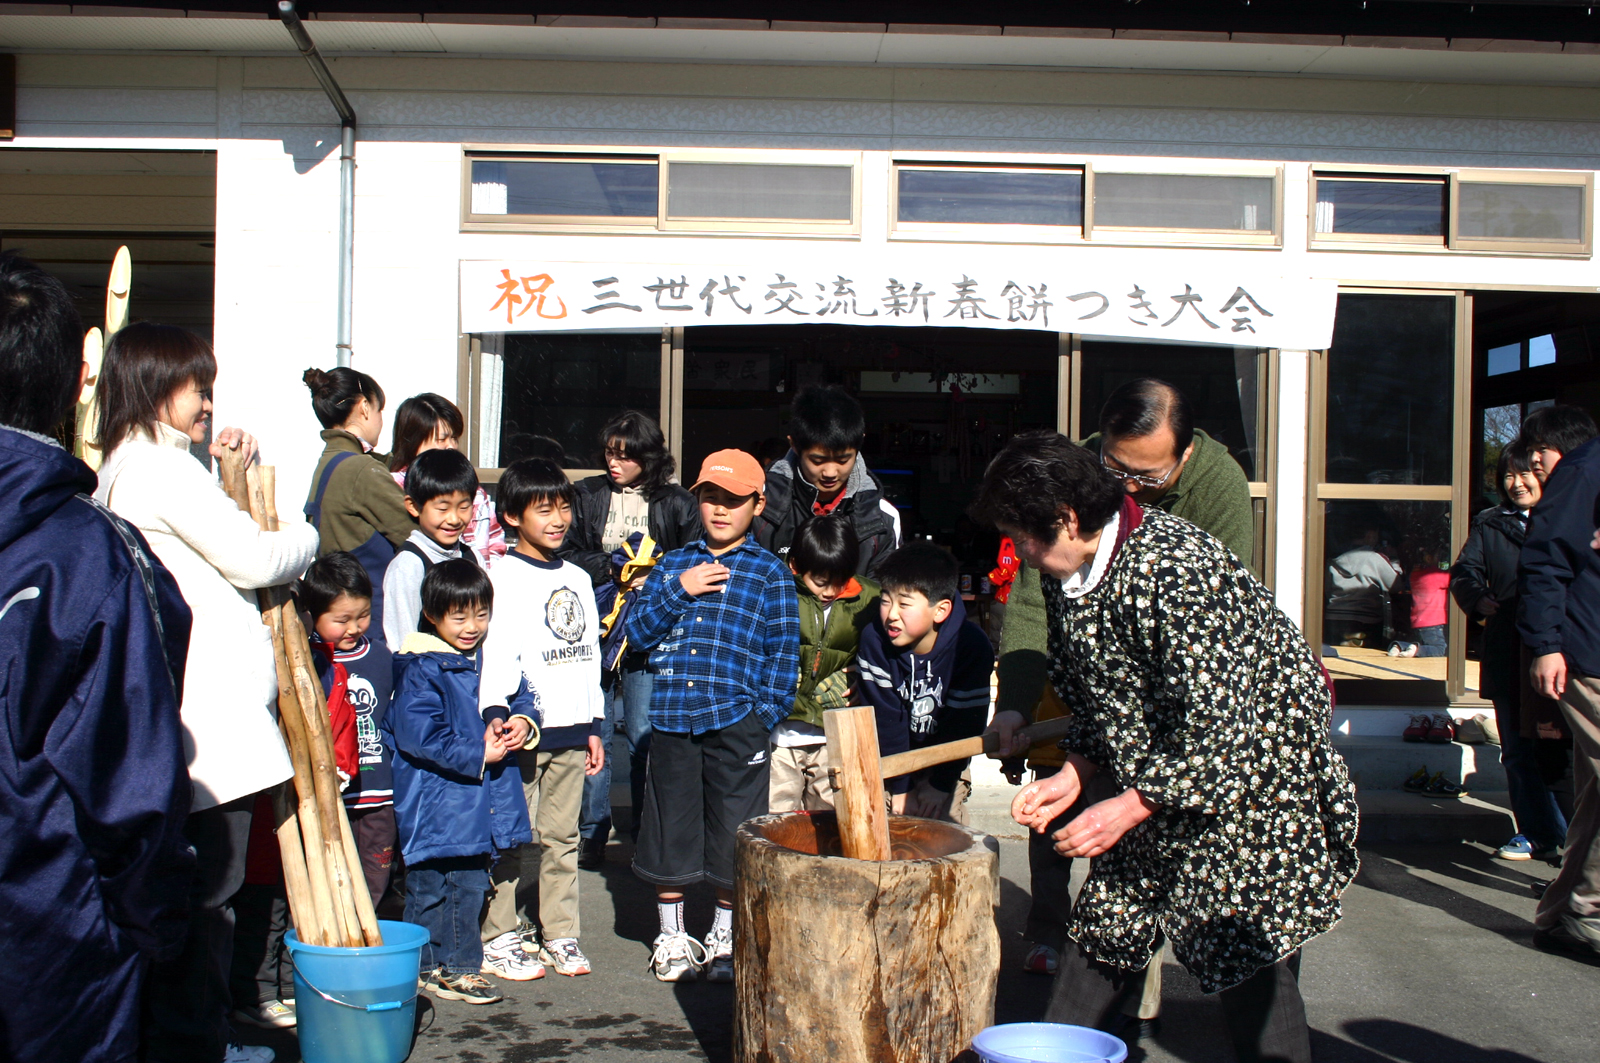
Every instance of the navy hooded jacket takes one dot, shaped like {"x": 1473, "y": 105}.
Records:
{"x": 447, "y": 801}
{"x": 1559, "y": 608}
{"x": 94, "y": 792}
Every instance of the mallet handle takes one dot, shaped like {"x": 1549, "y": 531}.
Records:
{"x": 988, "y": 742}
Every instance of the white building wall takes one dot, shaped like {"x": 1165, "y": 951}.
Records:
{"x": 277, "y": 138}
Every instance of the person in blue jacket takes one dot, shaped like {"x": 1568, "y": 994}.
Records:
{"x": 458, "y": 799}
{"x": 94, "y": 869}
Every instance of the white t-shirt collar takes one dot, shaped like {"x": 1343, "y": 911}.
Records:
{"x": 1088, "y": 577}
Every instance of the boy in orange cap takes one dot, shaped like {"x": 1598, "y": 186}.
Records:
{"x": 721, "y": 622}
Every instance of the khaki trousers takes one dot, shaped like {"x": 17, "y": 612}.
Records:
{"x": 553, "y": 785}
{"x": 801, "y": 780}
{"x": 1576, "y": 890}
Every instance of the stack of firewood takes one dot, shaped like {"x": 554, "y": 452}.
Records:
{"x": 328, "y": 898}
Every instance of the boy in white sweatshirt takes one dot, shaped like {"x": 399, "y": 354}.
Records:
{"x": 547, "y": 629}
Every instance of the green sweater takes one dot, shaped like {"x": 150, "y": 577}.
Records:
{"x": 361, "y": 498}
{"x": 1211, "y": 493}
{"x": 827, "y": 651}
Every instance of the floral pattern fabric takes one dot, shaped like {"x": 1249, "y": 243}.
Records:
{"x": 1188, "y": 683}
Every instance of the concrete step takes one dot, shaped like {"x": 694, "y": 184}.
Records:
{"x": 1380, "y": 762}
{"x": 1396, "y": 816}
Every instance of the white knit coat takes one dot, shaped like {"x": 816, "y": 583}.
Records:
{"x": 219, "y": 557}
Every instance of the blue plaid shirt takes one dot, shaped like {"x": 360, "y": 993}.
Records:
{"x": 725, "y": 654}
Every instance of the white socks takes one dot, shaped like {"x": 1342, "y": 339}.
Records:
{"x": 671, "y": 913}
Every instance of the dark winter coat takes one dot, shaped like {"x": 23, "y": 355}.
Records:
{"x": 791, "y": 501}
{"x": 827, "y": 650}
{"x": 1559, "y": 608}
{"x": 674, "y": 522}
{"x": 1487, "y": 568}
{"x": 447, "y": 801}
{"x": 94, "y": 791}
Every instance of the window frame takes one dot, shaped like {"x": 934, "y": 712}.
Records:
{"x": 1452, "y": 243}
{"x": 1167, "y": 237}
{"x": 663, "y": 158}
{"x": 978, "y": 231}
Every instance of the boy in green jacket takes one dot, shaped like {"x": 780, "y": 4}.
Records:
{"x": 835, "y": 604}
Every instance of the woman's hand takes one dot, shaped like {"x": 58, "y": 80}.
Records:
{"x": 1040, "y": 802}
{"x": 1487, "y": 605}
{"x": 235, "y": 439}
{"x": 1102, "y": 825}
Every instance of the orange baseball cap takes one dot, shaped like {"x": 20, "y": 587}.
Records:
{"x": 733, "y": 470}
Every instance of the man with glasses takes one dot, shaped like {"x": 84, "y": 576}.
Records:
{"x": 1147, "y": 441}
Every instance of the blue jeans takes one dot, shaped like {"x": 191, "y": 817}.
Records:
{"x": 1534, "y": 807}
{"x": 445, "y": 897}
{"x": 631, "y": 687}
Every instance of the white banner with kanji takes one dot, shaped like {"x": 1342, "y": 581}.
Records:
{"x": 981, "y": 288}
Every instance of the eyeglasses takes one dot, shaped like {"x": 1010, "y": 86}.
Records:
{"x": 1136, "y": 478}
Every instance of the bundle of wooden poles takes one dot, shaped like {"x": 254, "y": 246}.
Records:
{"x": 328, "y": 898}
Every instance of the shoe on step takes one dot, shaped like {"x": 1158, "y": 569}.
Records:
{"x": 237, "y": 1053}
{"x": 269, "y": 1015}
{"x": 469, "y": 988}
{"x": 676, "y": 957}
{"x": 563, "y": 956}
{"x": 1418, "y": 782}
{"x": 1439, "y": 786}
{"x": 1443, "y": 729}
{"x": 1041, "y": 959}
{"x": 1518, "y": 848}
{"x": 1418, "y": 731}
{"x": 504, "y": 957}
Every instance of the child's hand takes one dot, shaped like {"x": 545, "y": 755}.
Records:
{"x": 494, "y": 746}
{"x": 595, "y": 759}
{"x": 514, "y": 732}
{"x": 927, "y": 801}
{"x": 705, "y": 577}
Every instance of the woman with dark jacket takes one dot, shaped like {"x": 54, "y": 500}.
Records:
{"x": 1484, "y": 583}
{"x": 636, "y": 493}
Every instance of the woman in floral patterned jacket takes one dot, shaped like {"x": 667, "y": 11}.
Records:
{"x": 1233, "y": 834}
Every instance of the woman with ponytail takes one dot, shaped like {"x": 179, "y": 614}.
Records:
{"x": 354, "y": 503}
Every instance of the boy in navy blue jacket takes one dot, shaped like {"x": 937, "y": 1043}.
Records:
{"x": 458, "y": 794}
{"x": 721, "y": 621}
{"x": 925, "y": 669}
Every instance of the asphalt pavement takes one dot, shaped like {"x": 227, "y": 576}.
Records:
{"x": 1433, "y": 963}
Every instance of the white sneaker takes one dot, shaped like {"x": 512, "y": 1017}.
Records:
{"x": 720, "y": 948}
{"x": 563, "y": 956}
{"x": 674, "y": 959}
{"x": 504, "y": 957}
{"x": 248, "y": 1054}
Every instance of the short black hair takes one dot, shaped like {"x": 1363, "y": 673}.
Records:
{"x": 334, "y": 393}
{"x": 1039, "y": 474}
{"x": 924, "y": 567}
{"x": 440, "y": 472}
{"x": 1560, "y": 427}
{"x": 1513, "y": 458}
{"x": 1141, "y": 407}
{"x": 41, "y": 347}
{"x": 455, "y": 584}
{"x": 330, "y": 576}
{"x": 826, "y": 547}
{"x": 826, "y": 416}
{"x": 530, "y": 481}
{"x": 642, "y": 441}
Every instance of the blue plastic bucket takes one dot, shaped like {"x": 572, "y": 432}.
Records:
{"x": 358, "y": 1005}
{"x": 1047, "y": 1042}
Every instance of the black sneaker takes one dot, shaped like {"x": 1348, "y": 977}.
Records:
{"x": 592, "y": 853}
{"x": 1418, "y": 781}
{"x": 469, "y": 988}
{"x": 1439, "y": 786}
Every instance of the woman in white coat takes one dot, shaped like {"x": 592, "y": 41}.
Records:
{"x": 155, "y": 401}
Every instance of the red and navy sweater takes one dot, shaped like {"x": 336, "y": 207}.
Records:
{"x": 358, "y": 683}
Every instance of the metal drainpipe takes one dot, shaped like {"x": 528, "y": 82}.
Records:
{"x": 347, "y": 172}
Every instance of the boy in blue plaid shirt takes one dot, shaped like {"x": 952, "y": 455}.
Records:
{"x": 721, "y": 622}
